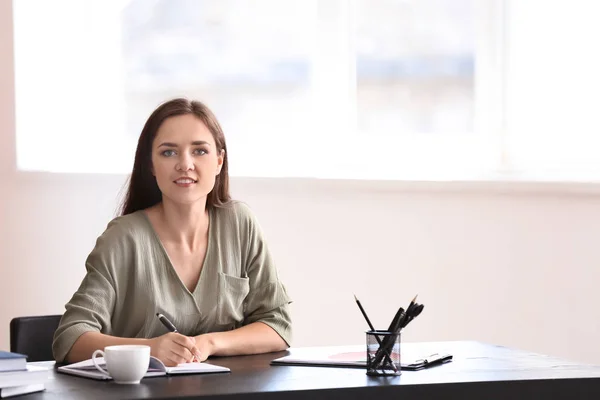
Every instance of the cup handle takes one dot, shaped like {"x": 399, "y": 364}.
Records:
{"x": 99, "y": 368}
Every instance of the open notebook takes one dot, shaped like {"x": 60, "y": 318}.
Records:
{"x": 156, "y": 368}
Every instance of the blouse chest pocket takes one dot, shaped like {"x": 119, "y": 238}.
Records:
{"x": 230, "y": 299}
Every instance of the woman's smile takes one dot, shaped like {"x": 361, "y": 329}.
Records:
{"x": 185, "y": 182}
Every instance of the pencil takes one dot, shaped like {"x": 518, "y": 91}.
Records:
{"x": 412, "y": 304}
{"x": 362, "y": 310}
{"x": 409, "y": 312}
{"x": 387, "y": 353}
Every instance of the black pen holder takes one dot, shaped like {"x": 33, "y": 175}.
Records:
{"x": 383, "y": 353}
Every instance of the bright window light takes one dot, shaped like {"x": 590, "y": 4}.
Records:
{"x": 344, "y": 89}
{"x": 296, "y": 84}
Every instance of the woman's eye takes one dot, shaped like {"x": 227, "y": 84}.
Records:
{"x": 168, "y": 153}
{"x": 200, "y": 152}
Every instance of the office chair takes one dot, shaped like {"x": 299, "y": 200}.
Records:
{"x": 33, "y": 336}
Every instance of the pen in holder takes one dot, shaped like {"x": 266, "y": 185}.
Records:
{"x": 379, "y": 343}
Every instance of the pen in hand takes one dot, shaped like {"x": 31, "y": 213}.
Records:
{"x": 169, "y": 325}
{"x": 165, "y": 321}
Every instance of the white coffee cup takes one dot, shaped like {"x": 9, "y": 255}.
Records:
{"x": 125, "y": 363}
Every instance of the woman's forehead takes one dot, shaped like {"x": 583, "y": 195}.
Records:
{"x": 183, "y": 129}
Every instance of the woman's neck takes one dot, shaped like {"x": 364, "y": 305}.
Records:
{"x": 184, "y": 224}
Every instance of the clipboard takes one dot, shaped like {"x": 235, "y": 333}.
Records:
{"x": 353, "y": 359}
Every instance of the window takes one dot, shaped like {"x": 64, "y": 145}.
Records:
{"x": 552, "y": 87}
{"x": 351, "y": 89}
{"x": 415, "y": 86}
{"x": 250, "y": 61}
{"x": 302, "y": 87}
{"x": 415, "y": 66}
{"x": 100, "y": 67}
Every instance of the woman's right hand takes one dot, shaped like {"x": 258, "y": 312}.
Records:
{"x": 174, "y": 348}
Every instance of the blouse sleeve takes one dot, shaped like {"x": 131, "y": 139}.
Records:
{"x": 91, "y": 307}
{"x": 267, "y": 301}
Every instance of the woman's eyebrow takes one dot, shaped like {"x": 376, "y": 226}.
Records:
{"x": 200, "y": 142}
{"x": 194, "y": 143}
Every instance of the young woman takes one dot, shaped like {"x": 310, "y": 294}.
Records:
{"x": 181, "y": 248}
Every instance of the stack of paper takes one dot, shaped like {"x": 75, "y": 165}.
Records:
{"x": 16, "y": 377}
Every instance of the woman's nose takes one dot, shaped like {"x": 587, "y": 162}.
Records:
{"x": 186, "y": 163}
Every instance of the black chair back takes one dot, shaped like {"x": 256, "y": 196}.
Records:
{"x": 33, "y": 336}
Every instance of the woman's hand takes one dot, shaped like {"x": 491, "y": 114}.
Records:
{"x": 174, "y": 348}
{"x": 205, "y": 346}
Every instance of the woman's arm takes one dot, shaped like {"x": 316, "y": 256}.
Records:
{"x": 171, "y": 348}
{"x": 254, "y": 338}
{"x": 90, "y": 341}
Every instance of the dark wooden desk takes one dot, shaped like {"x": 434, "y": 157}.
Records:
{"x": 479, "y": 371}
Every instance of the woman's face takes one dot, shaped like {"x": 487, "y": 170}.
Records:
{"x": 185, "y": 160}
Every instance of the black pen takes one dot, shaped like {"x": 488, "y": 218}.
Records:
{"x": 415, "y": 313}
{"x": 387, "y": 355}
{"x": 396, "y": 321}
{"x": 388, "y": 341}
{"x": 165, "y": 321}
{"x": 395, "y": 327}
{"x": 409, "y": 312}
{"x": 169, "y": 325}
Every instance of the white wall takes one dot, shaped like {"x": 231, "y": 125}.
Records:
{"x": 511, "y": 264}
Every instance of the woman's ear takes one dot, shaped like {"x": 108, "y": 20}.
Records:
{"x": 220, "y": 161}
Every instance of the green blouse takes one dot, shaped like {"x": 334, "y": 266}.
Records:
{"x": 130, "y": 278}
